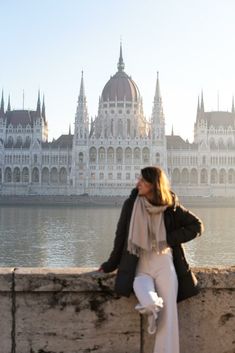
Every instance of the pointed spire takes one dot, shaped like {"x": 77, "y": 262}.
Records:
{"x": 120, "y": 65}
{"x": 233, "y": 110}
{"x": 43, "y": 109}
{"x": 69, "y": 129}
{"x": 82, "y": 89}
{"x": 9, "y": 104}
{"x": 172, "y": 131}
{"x": 202, "y": 103}
{"x": 157, "y": 97}
{"x": 158, "y": 119}
{"x": 39, "y": 103}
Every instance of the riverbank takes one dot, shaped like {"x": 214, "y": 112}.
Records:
{"x": 104, "y": 201}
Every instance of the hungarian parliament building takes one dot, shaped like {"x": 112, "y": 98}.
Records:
{"x": 104, "y": 156}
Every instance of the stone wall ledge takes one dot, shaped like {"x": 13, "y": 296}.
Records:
{"x": 74, "y": 310}
{"x": 77, "y": 279}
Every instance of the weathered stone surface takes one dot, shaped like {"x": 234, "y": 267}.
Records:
{"x": 6, "y": 274}
{"x": 5, "y": 322}
{"x": 67, "y": 322}
{"x": 5, "y": 309}
{"x": 64, "y": 280}
{"x": 75, "y": 311}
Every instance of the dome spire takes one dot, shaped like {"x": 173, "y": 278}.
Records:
{"x": 120, "y": 64}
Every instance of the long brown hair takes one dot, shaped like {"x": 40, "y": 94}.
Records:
{"x": 161, "y": 188}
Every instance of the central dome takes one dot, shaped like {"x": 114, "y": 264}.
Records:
{"x": 120, "y": 87}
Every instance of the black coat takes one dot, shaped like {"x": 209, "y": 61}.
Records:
{"x": 181, "y": 226}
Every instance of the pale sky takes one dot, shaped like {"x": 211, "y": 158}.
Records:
{"x": 46, "y": 44}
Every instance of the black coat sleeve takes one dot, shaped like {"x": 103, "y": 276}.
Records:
{"x": 121, "y": 234}
{"x": 186, "y": 226}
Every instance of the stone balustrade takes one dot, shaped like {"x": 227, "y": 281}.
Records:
{"x": 74, "y": 310}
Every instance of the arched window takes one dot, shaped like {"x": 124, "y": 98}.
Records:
{"x": 110, "y": 155}
{"x": 128, "y": 155}
{"x": 137, "y": 155}
{"x": 146, "y": 155}
{"x": 80, "y": 157}
{"x": 45, "y": 175}
{"x": 222, "y": 176}
{"x": 193, "y": 176}
{"x": 25, "y": 175}
{"x": 16, "y": 175}
{"x": 231, "y": 176}
{"x": 54, "y": 176}
{"x": 204, "y": 177}
{"x": 157, "y": 158}
{"x": 119, "y": 155}
{"x": 92, "y": 155}
{"x": 35, "y": 175}
{"x": 185, "y": 176}
{"x": 214, "y": 176}
{"x": 63, "y": 176}
{"x": 8, "y": 175}
{"x": 176, "y": 176}
{"x": 101, "y": 155}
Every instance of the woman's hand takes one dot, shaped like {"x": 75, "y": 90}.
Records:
{"x": 100, "y": 270}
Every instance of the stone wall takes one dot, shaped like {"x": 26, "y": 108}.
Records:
{"x": 74, "y": 310}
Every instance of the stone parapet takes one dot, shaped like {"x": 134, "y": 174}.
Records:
{"x": 74, "y": 310}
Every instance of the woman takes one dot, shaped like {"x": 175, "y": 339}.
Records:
{"x": 150, "y": 258}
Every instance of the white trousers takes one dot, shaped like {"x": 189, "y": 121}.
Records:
{"x": 155, "y": 281}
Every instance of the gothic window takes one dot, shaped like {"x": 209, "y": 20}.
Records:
{"x": 204, "y": 177}
{"x": 146, "y": 155}
{"x": 10, "y": 140}
{"x": 222, "y": 176}
{"x": 120, "y": 128}
{"x": 221, "y": 144}
{"x": 137, "y": 154}
{"x": 110, "y": 155}
{"x": 0, "y": 176}
{"x": 110, "y": 176}
{"x": 185, "y": 176}
{"x": 193, "y": 176}
{"x": 35, "y": 175}
{"x": 157, "y": 158}
{"x": 16, "y": 175}
{"x": 119, "y": 155}
{"x": 214, "y": 176}
{"x": 35, "y": 158}
{"x": 93, "y": 154}
{"x": 128, "y": 176}
{"x": 101, "y": 176}
{"x": 80, "y": 157}
{"x": 101, "y": 155}
{"x": 25, "y": 175}
{"x": 119, "y": 176}
{"x": 8, "y": 175}
{"x": 63, "y": 176}
{"x": 204, "y": 160}
{"x": 128, "y": 155}
{"x": 54, "y": 175}
{"x": 231, "y": 176}
{"x": 45, "y": 175}
{"x": 176, "y": 176}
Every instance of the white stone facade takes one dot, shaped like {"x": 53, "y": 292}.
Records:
{"x": 105, "y": 155}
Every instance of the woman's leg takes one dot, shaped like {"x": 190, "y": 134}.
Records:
{"x": 149, "y": 302}
{"x": 167, "y": 337}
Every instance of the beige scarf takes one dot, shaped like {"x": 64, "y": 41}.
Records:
{"x": 147, "y": 228}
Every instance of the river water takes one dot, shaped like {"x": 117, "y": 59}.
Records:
{"x": 76, "y": 236}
